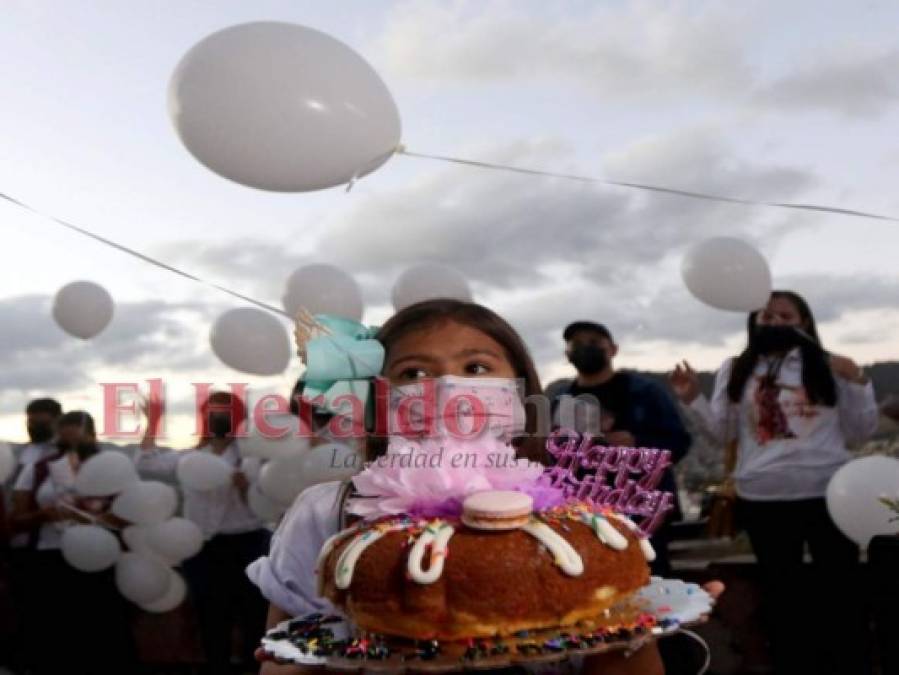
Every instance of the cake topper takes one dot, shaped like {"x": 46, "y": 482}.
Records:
{"x": 623, "y": 479}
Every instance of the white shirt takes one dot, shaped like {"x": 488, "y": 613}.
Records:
{"x": 795, "y": 457}
{"x": 25, "y": 453}
{"x": 219, "y": 511}
{"x": 58, "y": 487}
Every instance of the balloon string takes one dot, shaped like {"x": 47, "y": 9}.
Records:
{"x": 401, "y": 150}
{"x": 93, "y": 520}
{"x": 142, "y": 256}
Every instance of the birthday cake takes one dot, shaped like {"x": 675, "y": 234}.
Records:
{"x": 476, "y": 551}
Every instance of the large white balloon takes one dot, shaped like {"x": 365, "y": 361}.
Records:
{"x": 83, "y": 309}
{"x": 175, "y": 540}
{"x": 854, "y": 497}
{"x": 330, "y": 461}
{"x": 727, "y": 273}
{"x": 90, "y": 548}
{"x": 283, "y": 479}
{"x": 264, "y": 506}
{"x": 282, "y": 107}
{"x": 141, "y": 579}
{"x": 203, "y": 471}
{"x": 251, "y": 341}
{"x": 172, "y": 598}
{"x": 105, "y": 474}
{"x": 7, "y": 461}
{"x": 323, "y": 289}
{"x": 264, "y": 445}
{"x": 429, "y": 281}
{"x": 146, "y": 503}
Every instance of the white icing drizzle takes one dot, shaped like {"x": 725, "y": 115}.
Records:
{"x": 325, "y": 551}
{"x": 436, "y": 535}
{"x": 564, "y": 554}
{"x": 605, "y": 531}
{"x": 648, "y": 551}
{"x": 346, "y": 562}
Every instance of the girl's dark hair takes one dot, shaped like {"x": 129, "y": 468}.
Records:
{"x": 817, "y": 378}
{"x": 220, "y": 401}
{"x": 432, "y": 312}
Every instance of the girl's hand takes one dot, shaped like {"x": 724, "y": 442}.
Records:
{"x": 847, "y": 369}
{"x": 684, "y": 382}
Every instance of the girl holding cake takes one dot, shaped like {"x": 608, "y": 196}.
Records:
{"x": 468, "y": 351}
{"x": 792, "y": 407}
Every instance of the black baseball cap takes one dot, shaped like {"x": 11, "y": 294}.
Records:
{"x": 572, "y": 328}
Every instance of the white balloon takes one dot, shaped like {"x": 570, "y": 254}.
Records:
{"x": 172, "y": 598}
{"x": 175, "y": 540}
{"x": 282, "y": 107}
{"x": 90, "y": 548}
{"x": 429, "y": 281}
{"x": 854, "y": 494}
{"x": 7, "y": 461}
{"x": 83, "y": 309}
{"x": 268, "y": 509}
{"x": 135, "y": 537}
{"x": 251, "y": 341}
{"x": 203, "y": 471}
{"x": 330, "y": 461}
{"x": 727, "y": 273}
{"x": 146, "y": 503}
{"x": 141, "y": 579}
{"x": 323, "y": 289}
{"x": 264, "y": 445}
{"x": 283, "y": 479}
{"x": 105, "y": 474}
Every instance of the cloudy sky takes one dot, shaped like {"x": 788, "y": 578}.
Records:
{"x": 778, "y": 101}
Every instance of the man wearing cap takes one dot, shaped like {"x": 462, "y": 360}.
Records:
{"x": 632, "y": 410}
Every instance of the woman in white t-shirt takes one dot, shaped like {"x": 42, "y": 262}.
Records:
{"x": 235, "y": 536}
{"x": 791, "y": 408}
{"x": 79, "y": 623}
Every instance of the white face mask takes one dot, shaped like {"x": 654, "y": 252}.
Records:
{"x": 459, "y": 407}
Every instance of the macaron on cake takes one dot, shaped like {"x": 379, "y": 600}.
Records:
{"x": 497, "y": 510}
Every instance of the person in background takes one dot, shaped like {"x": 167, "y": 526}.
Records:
{"x": 633, "y": 411}
{"x": 76, "y": 621}
{"x": 41, "y": 416}
{"x": 235, "y": 536}
{"x": 792, "y": 407}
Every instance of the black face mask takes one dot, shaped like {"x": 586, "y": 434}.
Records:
{"x": 588, "y": 359}
{"x": 63, "y": 446}
{"x": 773, "y": 339}
{"x": 219, "y": 425}
{"x": 40, "y": 432}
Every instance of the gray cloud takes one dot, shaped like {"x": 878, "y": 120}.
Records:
{"x": 639, "y": 51}
{"x": 634, "y": 51}
{"x": 38, "y": 358}
{"x": 852, "y": 84}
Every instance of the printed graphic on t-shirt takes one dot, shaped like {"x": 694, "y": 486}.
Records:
{"x": 780, "y": 411}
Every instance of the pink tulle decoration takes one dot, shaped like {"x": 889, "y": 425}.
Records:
{"x": 431, "y": 477}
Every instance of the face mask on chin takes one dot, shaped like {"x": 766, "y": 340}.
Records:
{"x": 588, "y": 359}
{"x": 461, "y": 407}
